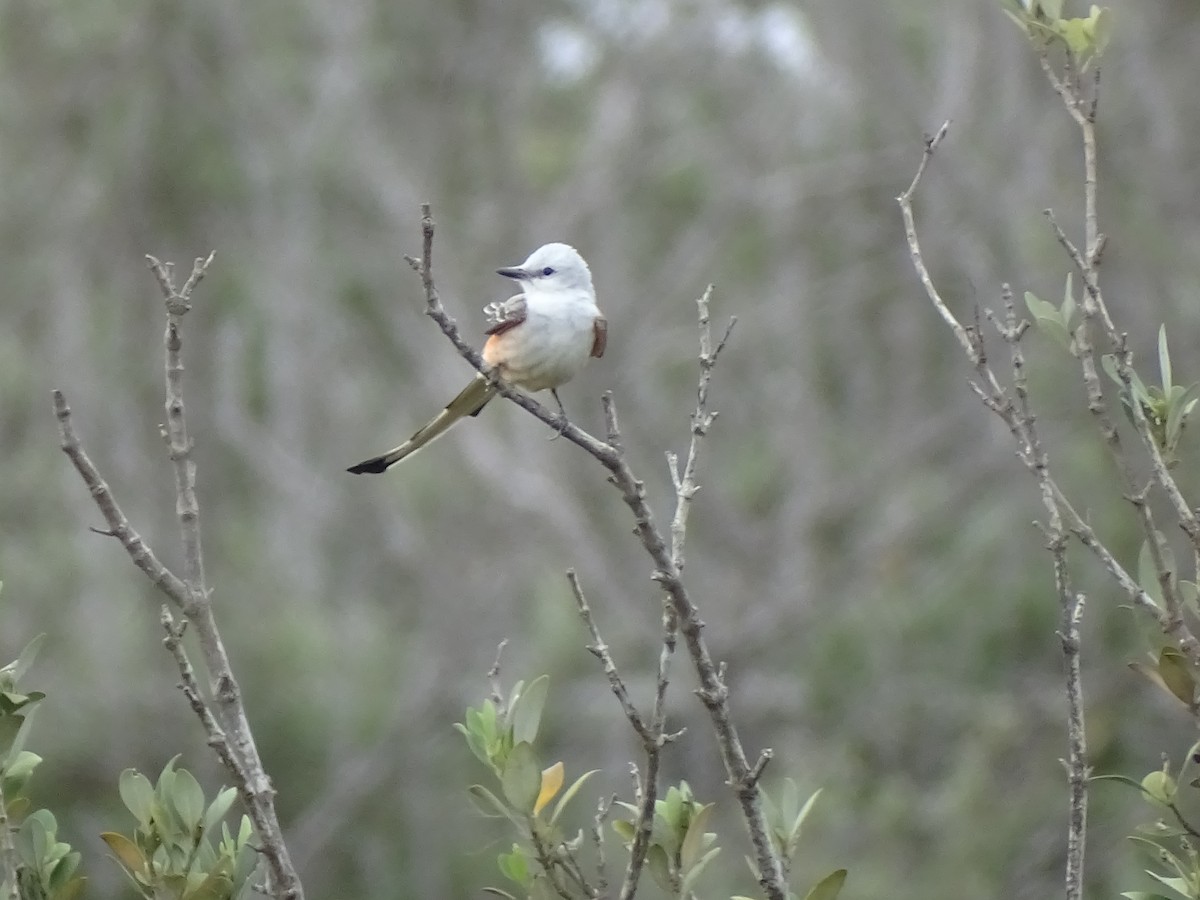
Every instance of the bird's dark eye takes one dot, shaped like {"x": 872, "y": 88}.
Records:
{"x": 547, "y": 271}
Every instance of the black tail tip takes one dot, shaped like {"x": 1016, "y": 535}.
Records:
{"x": 371, "y": 466}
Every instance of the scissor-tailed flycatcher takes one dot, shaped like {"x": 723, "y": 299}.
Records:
{"x": 537, "y": 340}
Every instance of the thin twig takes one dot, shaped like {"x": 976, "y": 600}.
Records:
{"x": 493, "y": 677}
{"x": 190, "y": 687}
{"x": 602, "y": 810}
{"x": 599, "y": 649}
{"x": 914, "y": 246}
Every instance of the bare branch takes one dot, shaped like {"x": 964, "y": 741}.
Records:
{"x": 1078, "y": 770}
{"x": 914, "y": 248}
{"x": 118, "y": 526}
{"x": 227, "y": 726}
{"x": 599, "y": 649}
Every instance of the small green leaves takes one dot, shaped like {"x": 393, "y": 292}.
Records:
{"x": 171, "y": 851}
{"x": 502, "y": 738}
{"x": 46, "y": 865}
{"x": 1054, "y": 322}
{"x": 1042, "y": 22}
{"x": 492, "y": 733}
{"x": 680, "y": 846}
{"x": 785, "y": 820}
{"x": 1166, "y": 408}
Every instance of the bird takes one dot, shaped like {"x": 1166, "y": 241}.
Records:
{"x": 537, "y": 340}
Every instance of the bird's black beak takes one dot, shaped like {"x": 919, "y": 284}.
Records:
{"x": 512, "y": 272}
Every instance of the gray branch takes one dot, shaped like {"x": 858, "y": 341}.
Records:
{"x": 224, "y": 715}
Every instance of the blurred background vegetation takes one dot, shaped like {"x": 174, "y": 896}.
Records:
{"x": 862, "y": 549}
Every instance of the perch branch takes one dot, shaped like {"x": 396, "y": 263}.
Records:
{"x": 713, "y": 691}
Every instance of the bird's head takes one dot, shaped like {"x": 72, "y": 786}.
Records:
{"x": 552, "y": 267}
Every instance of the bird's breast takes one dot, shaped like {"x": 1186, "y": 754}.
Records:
{"x": 547, "y": 349}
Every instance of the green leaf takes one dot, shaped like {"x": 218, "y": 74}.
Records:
{"x": 25, "y": 660}
{"x": 10, "y": 727}
{"x": 693, "y": 842}
{"x": 828, "y": 887}
{"x": 188, "y": 799}
{"x": 218, "y": 809}
{"x": 513, "y": 694}
{"x": 1160, "y": 787}
{"x": 794, "y": 834}
{"x": 1102, "y": 29}
{"x": 31, "y": 841}
{"x": 789, "y": 800}
{"x": 521, "y": 779}
{"x": 481, "y": 722}
{"x": 1176, "y": 674}
{"x": 1176, "y": 884}
{"x": 214, "y": 886}
{"x": 22, "y": 765}
{"x": 1067, "y": 311}
{"x": 72, "y": 890}
{"x": 18, "y": 807}
{"x": 674, "y": 809}
{"x": 1108, "y": 362}
{"x": 657, "y": 863}
{"x": 624, "y": 829}
{"x": 137, "y": 795}
{"x": 1039, "y": 308}
{"x": 1179, "y": 407}
{"x": 488, "y": 804}
{"x": 64, "y": 870}
{"x": 693, "y": 872}
{"x": 1164, "y": 357}
{"x": 569, "y": 793}
{"x": 526, "y": 714}
{"x": 514, "y": 866}
{"x": 1074, "y": 32}
{"x": 1139, "y": 389}
{"x": 1048, "y": 320}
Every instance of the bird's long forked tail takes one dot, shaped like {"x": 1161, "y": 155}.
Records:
{"x": 468, "y": 403}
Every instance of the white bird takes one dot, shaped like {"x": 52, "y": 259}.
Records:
{"x": 537, "y": 340}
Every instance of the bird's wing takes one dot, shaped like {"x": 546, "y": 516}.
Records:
{"x": 599, "y": 336}
{"x": 504, "y": 315}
